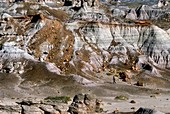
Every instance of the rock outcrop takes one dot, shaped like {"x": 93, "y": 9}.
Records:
{"x": 131, "y": 14}
{"x": 84, "y": 104}
{"x": 51, "y": 50}
{"x": 162, "y": 3}
{"x": 33, "y": 106}
{"x": 132, "y": 39}
{"x": 141, "y": 12}
{"x": 83, "y": 5}
{"x": 104, "y": 42}
{"x": 147, "y": 111}
{"x": 145, "y": 12}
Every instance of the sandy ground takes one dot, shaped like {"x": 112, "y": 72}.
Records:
{"x": 160, "y": 103}
{"x": 151, "y": 97}
{"x": 13, "y": 88}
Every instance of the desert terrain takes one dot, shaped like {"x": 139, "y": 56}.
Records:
{"x": 85, "y": 57}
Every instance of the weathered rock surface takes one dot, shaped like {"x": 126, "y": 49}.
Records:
{"x": 55, "y": 49}
{"x": 78, "y": 5}
{"x": 15, "y": 109}
{"x": 147, "y": 111}
{"x": 32, "y": 107}
{"x": 84, "y": 104}
{"x": 168, "y": 31}
{"x": 143, "y": 12}
{"x": 147, "y": 39}
{"x": 163, "y": 3}
{"x": 131, "y": 14}
{"x": 31, "y": 110}
{"x": 129, "y": 40}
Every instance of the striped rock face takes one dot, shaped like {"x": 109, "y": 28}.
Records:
{"x": 90, "y": 43}
{"x": 65, "y": 47}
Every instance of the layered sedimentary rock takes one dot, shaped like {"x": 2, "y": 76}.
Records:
{"x": 103, "y": 44}
{"x": 82, "y": 5}
{"x": 58, "y": 51}
{"x": 90, "y": 41}
{"x": 142, "y": 12}
{"x": 145, "y": 12}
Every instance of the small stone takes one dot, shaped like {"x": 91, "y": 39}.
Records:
{"x": 109, "y": 103}
{"x": 147, "y": 111}
{"x": 20, "y": 71}
{"x": 140, "y": 83}
{"x": 116, "y": 111}
{"x": 133, "y": 108}
{"x": 124, "y": 76}
{"x": 132, "y": 101}
{"x": 153, "y": 96}
{"x": 157, "y": 93}
{"x": 78, "y": 98}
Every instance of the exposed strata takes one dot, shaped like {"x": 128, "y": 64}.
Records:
{"x": 91, "y": 33}
{"x": 79, "y": 44}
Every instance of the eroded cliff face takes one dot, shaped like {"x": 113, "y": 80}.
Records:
{"x": 88, "y": 43}
{"x": 81, "y": 47}
{"x": 89, "y": 47}
{"x": 121, "y": 42}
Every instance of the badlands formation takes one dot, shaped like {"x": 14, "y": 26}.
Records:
{"x": 84, "y": 56}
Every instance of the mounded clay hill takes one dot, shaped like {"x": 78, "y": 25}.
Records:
{"x": 84, "y": 57}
